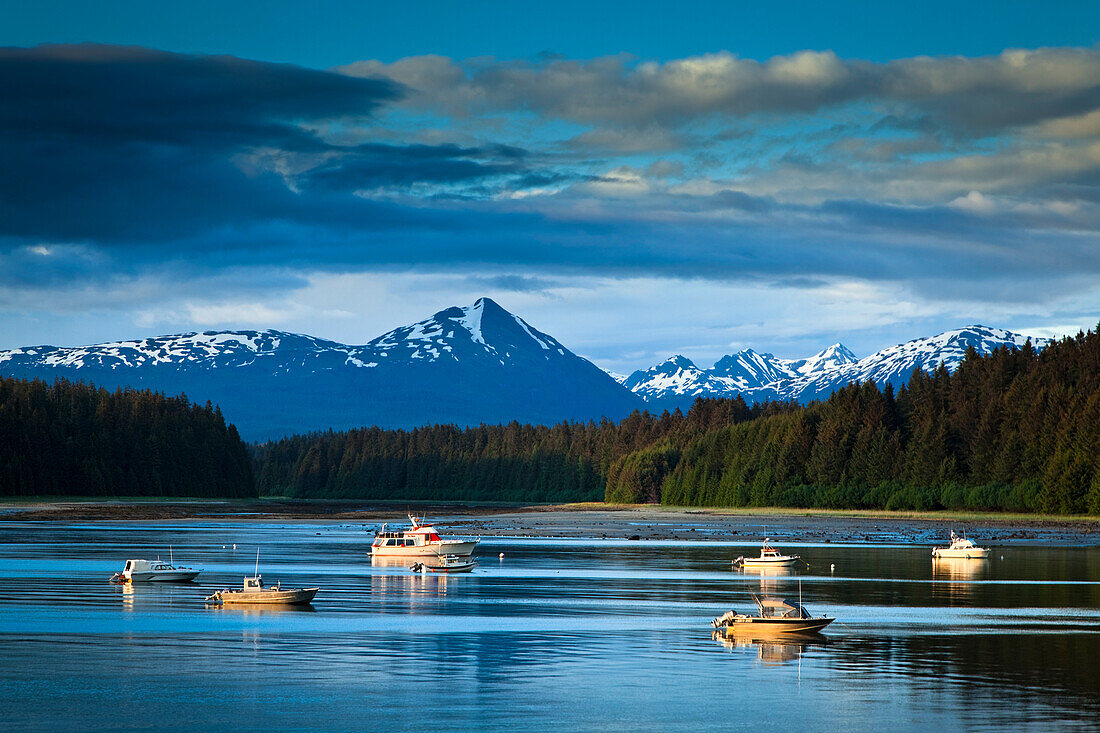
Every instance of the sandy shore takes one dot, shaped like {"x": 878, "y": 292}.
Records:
{"x": 601, "y": 521}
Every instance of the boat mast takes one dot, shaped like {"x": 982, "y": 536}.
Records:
{"x": 257, "y": 570}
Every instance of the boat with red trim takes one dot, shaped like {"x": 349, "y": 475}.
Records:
{"x": 420, "y": 540}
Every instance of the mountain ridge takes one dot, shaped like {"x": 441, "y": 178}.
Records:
{"x": 758, "y": 377}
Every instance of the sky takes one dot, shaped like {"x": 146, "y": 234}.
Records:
{"x": 637, "y": 179}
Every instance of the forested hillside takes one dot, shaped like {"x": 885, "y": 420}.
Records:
{"x": 74, "y": 439}
{"x": 1014, "y": 430}
{"x": 564, "y": 462}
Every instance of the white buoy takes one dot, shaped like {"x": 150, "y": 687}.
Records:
{"x": 832, "y": 567}
{"x": 234, "y": 547}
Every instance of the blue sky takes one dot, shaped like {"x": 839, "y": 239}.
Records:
{"x": 636, "y": 179}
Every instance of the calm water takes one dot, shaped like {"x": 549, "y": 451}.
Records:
{"x": 560, "y": 635}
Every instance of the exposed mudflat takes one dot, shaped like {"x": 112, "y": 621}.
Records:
{"x": 598, "y": 521}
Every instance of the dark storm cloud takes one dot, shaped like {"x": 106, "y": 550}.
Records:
{"x": 138, "y": 161}
{"x": 122, "y": 147}
{"x": 127, "y": 95}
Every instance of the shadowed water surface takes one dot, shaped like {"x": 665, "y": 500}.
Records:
{"x": 559, "y": 635}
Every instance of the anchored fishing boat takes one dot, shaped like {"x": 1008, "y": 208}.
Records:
{"x": 769, "y": 558}
{"x": 420, "y": 540}
{"x": 774, "y": 615}
{"x": 961, "y": 547}
{"x": 153, "y": 571}
{"x": 254, "y": 591}
{"x": 445, "y": 564}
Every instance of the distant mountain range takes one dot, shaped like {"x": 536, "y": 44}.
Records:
{"x": 467, "y": 366}
{"x": 676, "y": 382}
{"x": 472, "y": 365}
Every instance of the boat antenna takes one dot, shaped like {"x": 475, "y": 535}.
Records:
{"x": 756, "y": 601}
{"x": 171, "y": 560}
{"x": 257, "y": 570}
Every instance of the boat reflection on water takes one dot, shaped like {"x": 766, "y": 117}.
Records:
{"x": 772, "y": 649}
{"x": 960, "y": 573}
{"x": 405, "y": 588}
{"x": 384, "y": 561}
{"x": 262, "y": 609}
{"x": 127, "y": 596}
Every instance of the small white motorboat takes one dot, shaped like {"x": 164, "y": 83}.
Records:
{"x": 769, "y": 558}
{"x": 445, "y": 564}
{"x": 774, "y": 616}
{"x": 153, "y": 571}
{"x": 961, "y": 547}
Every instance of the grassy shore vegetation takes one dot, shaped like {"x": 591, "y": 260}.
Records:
{"x": 1016, "y": 430}
{"x": 70, "y": 438}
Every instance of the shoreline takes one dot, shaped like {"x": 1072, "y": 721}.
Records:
{"x": 594, "y": 521}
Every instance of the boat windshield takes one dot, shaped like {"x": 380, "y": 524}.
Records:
{"x": 780, "y": 608}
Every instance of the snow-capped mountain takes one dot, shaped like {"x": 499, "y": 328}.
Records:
{"x": 471, "y": 365}
{"x": 757, "y": 377}
{"x": 894, "y": 365}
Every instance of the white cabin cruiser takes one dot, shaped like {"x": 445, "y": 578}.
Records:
{"x": 769, "y": 558}
{"x": 421, "y": 540}
{"x": 151, "y": 571}
{"x": 961, "y": 547}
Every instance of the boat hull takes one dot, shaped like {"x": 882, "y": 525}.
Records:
{"x": 173, "y": 576}
{"x": 453, "y": 568}
{"x": 462, "y": 548}
{"x": 974, "y": 553}
{"x": 267, "y": 597}
{"x": 755, "y": 562}
{"x": 753, "y": 625}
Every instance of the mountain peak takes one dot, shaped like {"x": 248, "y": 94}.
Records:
{"x": 828, "y": 359}
{"x": 678, "y": 361}
{"x": 460, "y": 333}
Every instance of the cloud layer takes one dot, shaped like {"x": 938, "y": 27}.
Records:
{"x": 964, "y": 180}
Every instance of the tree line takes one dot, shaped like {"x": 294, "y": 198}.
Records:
{"x": 1017, "y": 430}
{"x": 510, "y": 463}
{"x": 71, "y": 438}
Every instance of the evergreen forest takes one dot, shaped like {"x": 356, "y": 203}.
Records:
{"x": 74, "y": 439}
{"x": 1015, "y": 430}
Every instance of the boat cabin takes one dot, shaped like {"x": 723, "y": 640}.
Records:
{"x": 145, "y": 566}
{"x": 417, "y": 536}
{"x": 772, "y": 607}
{"x": 255, "y": 584}
{"x": 767, "y": 551}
